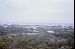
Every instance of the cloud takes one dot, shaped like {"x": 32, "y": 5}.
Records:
{"x": 36, "y": 11}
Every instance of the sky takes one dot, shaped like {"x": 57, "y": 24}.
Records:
{"x": 36, "y": 11}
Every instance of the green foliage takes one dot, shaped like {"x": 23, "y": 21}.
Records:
{"x": 34, "y": 42}
{"x": 5, "y": 43}
{"x": 71, "y": 40}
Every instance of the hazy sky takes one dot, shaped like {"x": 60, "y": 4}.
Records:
{"x": 36, "y": 11}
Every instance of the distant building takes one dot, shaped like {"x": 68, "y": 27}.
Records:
{"x": 50, "y": 31}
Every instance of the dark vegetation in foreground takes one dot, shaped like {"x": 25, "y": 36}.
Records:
{"x": 36, "y": 42}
